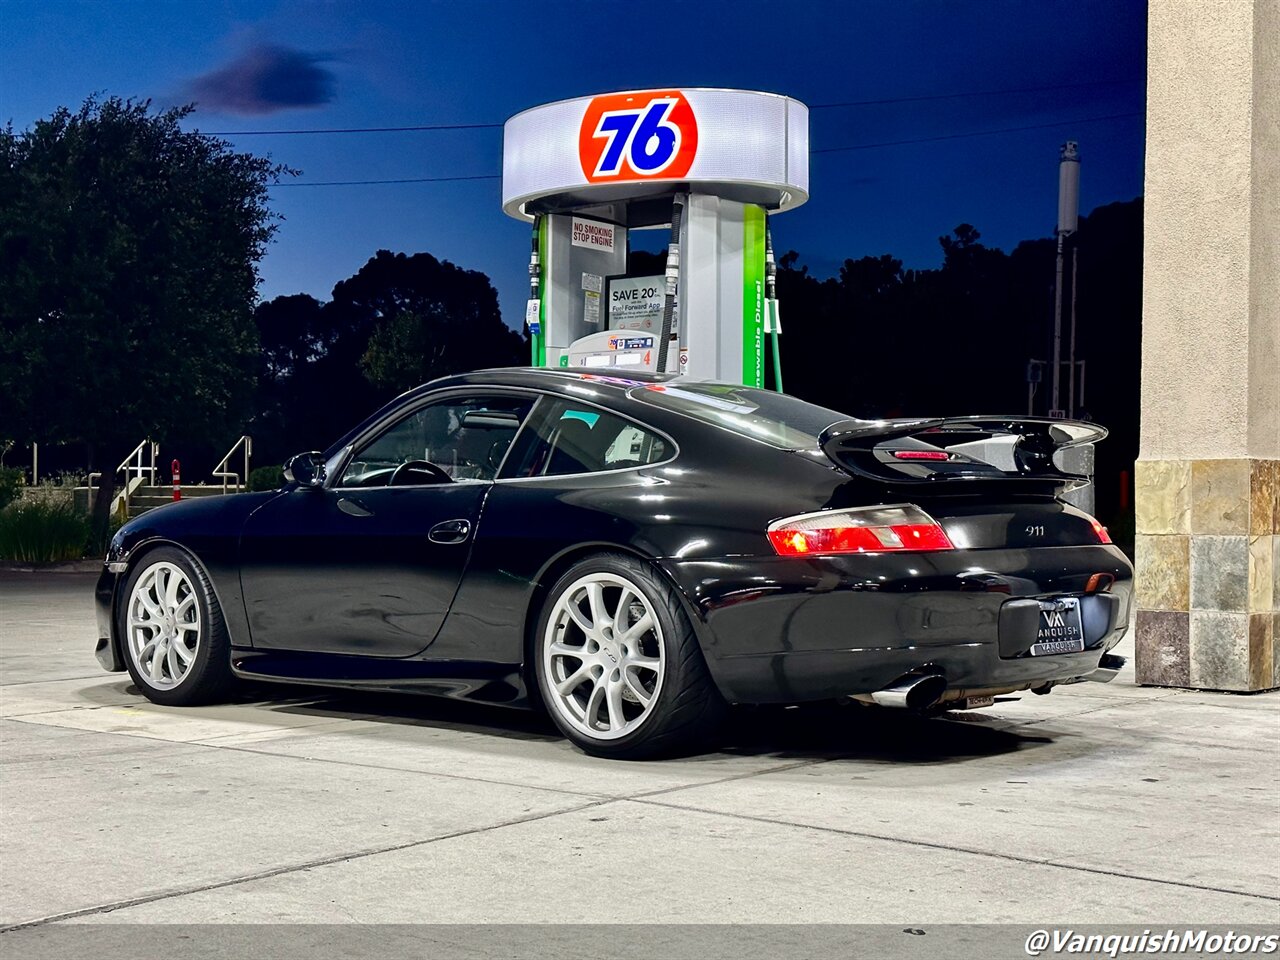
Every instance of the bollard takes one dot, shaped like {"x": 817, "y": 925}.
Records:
{"x": 176, "y": 467}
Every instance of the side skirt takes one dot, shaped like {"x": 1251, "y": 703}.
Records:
{"x": 499, "y": 684}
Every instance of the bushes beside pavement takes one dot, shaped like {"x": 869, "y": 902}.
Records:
{"x": 36, "y": 531}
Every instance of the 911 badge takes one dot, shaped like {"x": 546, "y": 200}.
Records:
{"x": 638, "y": 136}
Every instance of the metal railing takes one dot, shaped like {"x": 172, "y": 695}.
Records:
{"x": 134, "y": 464}
{"x": 139, "y": 454}
{"x": 240, "y": 479}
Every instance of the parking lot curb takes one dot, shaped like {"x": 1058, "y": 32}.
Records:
{"x": 65, "y": 566}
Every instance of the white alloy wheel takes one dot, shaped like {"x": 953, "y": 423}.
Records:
{"x": 163, "y": 625}
{"x": 603, "y": 657}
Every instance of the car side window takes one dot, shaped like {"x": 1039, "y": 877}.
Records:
{"x": 563, "y": 438}
{"x": 462, "y": 438}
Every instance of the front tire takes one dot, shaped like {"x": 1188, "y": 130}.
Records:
{"x": 172, "y": 632}
{"x": 619, "y": 665}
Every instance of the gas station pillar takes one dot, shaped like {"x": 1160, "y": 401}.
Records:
{"x": 1208, "y": 472}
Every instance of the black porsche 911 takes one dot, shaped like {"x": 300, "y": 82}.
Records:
{"x": 635, "y": 555}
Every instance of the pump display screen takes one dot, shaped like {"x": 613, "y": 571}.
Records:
{"x": 635, "y": 303}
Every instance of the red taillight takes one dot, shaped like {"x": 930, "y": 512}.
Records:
{"x": 921, "y": 455}
{"x": 1101, "y": 531}
{"x": 860, "y": 530}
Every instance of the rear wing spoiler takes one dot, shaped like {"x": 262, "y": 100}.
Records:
{"x": 960, "y": 450}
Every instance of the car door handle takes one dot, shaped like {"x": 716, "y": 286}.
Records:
{"x": 354, "y": 508}
{"x": 450, "y": 531}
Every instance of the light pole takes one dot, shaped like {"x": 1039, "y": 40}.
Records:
{"x": 1068, "y": 221}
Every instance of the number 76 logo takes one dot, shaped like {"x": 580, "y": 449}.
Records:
{"x": 638, "y": 136}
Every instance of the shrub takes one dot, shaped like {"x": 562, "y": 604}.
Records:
{"x": 42, "y": 532}
{"x": 12, "y": 480}
{"x": 266, "y": 478}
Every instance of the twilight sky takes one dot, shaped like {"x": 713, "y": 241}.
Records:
{"x": 1039, "y": 71}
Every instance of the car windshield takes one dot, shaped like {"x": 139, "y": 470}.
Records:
{"x": 775, "y": 418}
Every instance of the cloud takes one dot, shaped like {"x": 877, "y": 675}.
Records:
{"x": 266, "y": 79}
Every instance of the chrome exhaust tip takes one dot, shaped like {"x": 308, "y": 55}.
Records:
{"x": 1108, "y": 667}
{"x": 913, "y": 692}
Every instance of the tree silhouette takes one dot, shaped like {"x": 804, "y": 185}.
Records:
{"x": 128, "y": 270}
{"x": 428, "y": 318}
{"x": 401, "y": 320}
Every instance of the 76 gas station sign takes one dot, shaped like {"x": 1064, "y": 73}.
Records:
{"x": 626, "y": 136}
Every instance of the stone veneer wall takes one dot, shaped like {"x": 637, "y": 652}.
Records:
{"x": 1208, "y": 573}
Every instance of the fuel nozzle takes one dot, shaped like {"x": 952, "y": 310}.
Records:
{"x": 533, "y": 310}
{"x": 770, "y": 266}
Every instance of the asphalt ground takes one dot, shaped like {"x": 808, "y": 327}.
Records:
{"x": 1098, "y": 804}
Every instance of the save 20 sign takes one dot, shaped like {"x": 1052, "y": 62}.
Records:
{"x": 638, "y": 136}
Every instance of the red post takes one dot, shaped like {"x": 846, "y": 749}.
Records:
{"x": 176, "y": 467}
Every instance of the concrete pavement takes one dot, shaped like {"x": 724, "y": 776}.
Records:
{"x": 1096, "y": 804}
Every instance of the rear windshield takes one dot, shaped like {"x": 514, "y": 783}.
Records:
{"x": 775, "y": 418}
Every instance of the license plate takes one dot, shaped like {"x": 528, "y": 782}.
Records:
{"x": 1060, "y": 630}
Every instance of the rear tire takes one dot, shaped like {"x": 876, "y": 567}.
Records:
{"x": 172, "y": 633}
{"x": 619, "y": 666}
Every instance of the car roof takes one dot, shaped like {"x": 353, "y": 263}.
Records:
{"x": 551, "y": 377}
{"x": 606, "y": 380}
{"x": 610, "y": 380}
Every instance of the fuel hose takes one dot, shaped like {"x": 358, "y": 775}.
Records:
{"x": 673, "y": 277}
{"x": 771, "y": 304}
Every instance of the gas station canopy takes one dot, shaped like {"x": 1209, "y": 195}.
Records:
{"x": 622, "y": 148}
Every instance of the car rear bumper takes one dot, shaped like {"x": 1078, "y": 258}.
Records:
{"x": 790, "y": 630}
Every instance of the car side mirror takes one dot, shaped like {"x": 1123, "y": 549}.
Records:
{"x": 306, "y": 469}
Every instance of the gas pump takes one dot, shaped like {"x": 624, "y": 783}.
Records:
{"x": 709, "y": 166}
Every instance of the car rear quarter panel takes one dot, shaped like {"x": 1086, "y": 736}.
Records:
{"x": 714, "y": 499}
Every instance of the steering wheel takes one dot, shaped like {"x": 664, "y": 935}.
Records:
{"x": 421, "y": 466}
